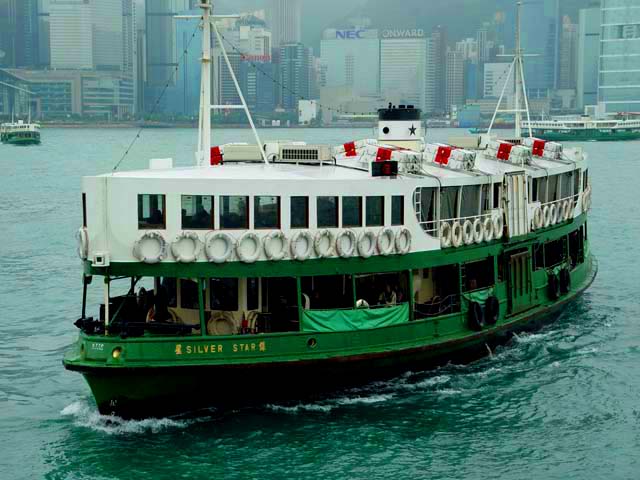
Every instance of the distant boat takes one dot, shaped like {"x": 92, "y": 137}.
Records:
{"x": 478, "y": 131}
{"x": 20, "y": 133}
{"x": 584, "y": 129}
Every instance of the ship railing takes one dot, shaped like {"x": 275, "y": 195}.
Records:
{"x": 434, "y": 227}
{"x": 572, "y": 198}
{"x": 437, "y": 307}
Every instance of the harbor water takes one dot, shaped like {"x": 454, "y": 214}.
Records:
{"x": 561, "y": 403}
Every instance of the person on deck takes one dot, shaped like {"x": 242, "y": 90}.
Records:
{"x": 388, "y": 296}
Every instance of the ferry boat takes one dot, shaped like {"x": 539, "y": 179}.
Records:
{"x": 584, "y": 129}
{"x": 284, "y": 270}
{"x": 20, "y": 133}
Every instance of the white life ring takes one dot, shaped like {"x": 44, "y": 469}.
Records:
{"x": 210, "y": 242}
{"x": 269, "y": 251}
{"x": 478, "y": 231}
{"x": 386, "y": 234}
{"x": 403, "y": 241}
{"x": 445, "y": 235}
{"x": 488, "y": 229}
{"x": 538, "y": 218}
{"x": 553, "y": 213}
{"x": 456, "y": 234}
{"x": 142, "y": 253}
{"x": 586, "y": 199}
{"x": 82, "y": 237}
{"x": 183, "y": 254}
{"x": 366, "y": 244}
{"x": 248, "y": 256}
{"x": 467, "y": 232}
{"x": 346, "y": 251}
{"x": 498, "y": 227}
{"x": 323, "y": 243}
{"x": 546, "y": 213}
{"x": 296, "y": 254}
{"x": 568, "y": 210}
{"x": 221, "y": 323}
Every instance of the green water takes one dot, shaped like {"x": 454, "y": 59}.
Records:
{"x": 562, "y": 403}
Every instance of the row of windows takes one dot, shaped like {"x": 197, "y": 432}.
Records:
{"x": 198, "y": 212}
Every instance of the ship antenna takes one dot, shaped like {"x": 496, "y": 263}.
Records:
{"x": 516, "y": 68}
{"x": 204, "y": 126}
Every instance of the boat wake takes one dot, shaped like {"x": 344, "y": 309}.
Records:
{"x": 85, "y": 415}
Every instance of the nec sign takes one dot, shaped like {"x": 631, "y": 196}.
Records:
{"x": 349, "y": 34}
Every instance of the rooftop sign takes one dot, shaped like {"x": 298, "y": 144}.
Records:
{"x": 403, "y": 33}
{"x": 350, "y": 34}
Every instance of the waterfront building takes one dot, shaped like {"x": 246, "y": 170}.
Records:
{"x": 455, "y": 81}
{"x": 495, "y": 77}
{"x": 568, "y": 55}
{"x": 284, "y": 17}
{"x": 468, "y": 48}
{"x": 295, "y": 84}
{"x": 403, "y": 66}
{"x": 438, "y": 60}
{"x": 587, "y": 69}
{"x": 352, "y": 58}
{"x": 19, "y": 33}
{"x": 619, "y": 82}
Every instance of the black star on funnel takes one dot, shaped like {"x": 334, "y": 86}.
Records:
{"x": 412, "y": 130}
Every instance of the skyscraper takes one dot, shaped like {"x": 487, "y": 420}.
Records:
{"x": 568, "y": 55}
{"x": 439, "y": 60}
{"x": 295, "y": 61}
{"x": 19, "y": 33}
{"x": 454, "y": 80}
{"x": 284, "y": 17}
{"x": 588, "y": 43}
{"x": 619, "y": 83}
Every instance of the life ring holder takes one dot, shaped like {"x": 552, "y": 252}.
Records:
{"x": 467, "y": 232}
{"x": 403, "y": 247}
{"x": 367, "y": 237}
{"x": 546, "y": 214}
{"x": 268, "y": 241}
{"x": 568, "y": 210}
{"x": 488, "y": 229}
{"x": 82, "y": 238}
{"x": 211, "y": 238}
{"x": 538, "y": 218}
{"x": 456, "y": 234}
{"x": 225, "y": 318}
{"x": 353, "y": 242}
{"x": 553, "y": 214}
{"x": 478, "y": 231}
{"x": 180, "y": 256}
{"x": 445, "y": 235}
{"x": 151, "y": 236}
{"x": 248, "y": 257}
{"x": 302, "y": 234}
{"x": 318, "y": 241}
{"x": 385, "y": 232}
{"x": 498, "y": 227}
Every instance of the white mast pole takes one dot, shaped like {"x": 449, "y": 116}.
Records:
{"x": 504, "y": 88}
{"x": 518, "y": 61}
{"x": 204, "y": 134}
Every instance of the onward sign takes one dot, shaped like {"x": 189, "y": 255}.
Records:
{"x": 403, "y": 33}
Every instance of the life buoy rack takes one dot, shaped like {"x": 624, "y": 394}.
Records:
{"x": 82, "y": 237}
{"x": 366, "y": 244}
{"x": 293, "y": 245}
{"x": 538, "y": 219}
{"x": 161, "y": 252}
{"x": 323, "y": 243}
{"x": 346, "y": 251}
{"x": 476, "y": 317}
{"x": 178, "y": 252}
{"x": 229, "y": 246}
{"x": 385, "y": 233}
{"x": 467, "y": 232}
{"x": 478, "y": 231}
{"x": 403, "y": 241}
{"x": 553, "y": 214}
{"x": 488, "y": 229}
{"x": 491, "y": 310}
{"x": 546, "y": 214}
{"x": 248, "y": 256}
{"x": 568, "y": 210}
{"x": 270, "y": 253}
{"x": 456, "y": 235}
{"x": 445, "y": 235}
{"x": 498, "y": 227}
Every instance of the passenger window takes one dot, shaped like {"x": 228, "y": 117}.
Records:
{"x": 299, "y": 212}
{"x": 253, "y": 293}
{"x": 234, "y": 212}
{"x": 197, "y": 212}
{"x": 449, "y": 203}
{"x": 496, "y": 195}
{"x": 397, "y": 210}
{"x": 189, "y": 294}
{"x": 485, "y": 201}
{"x": 552, "y": 192}
{"x": 585, "y": 179}
{"x": 84, "y": 210}
{"x": 266, "y": 212}
{"x": 151, "y": 211}
{"x": 534, "y": 190}
{"x": 351, "y": 211}
{"x": 327, "y": 212}
{"x": 469, "y": 206}
{"x": 375, "y": 211}
{"x": 223, "y": 294}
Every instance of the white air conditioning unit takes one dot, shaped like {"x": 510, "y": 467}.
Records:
{"x": 291, "y": 153}
{"x": 100, "y": 259}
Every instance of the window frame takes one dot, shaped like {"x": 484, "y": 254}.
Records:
{"x": 278, "y": 216}
{"x": 337, "y": 214}
{"x": 342, "y": 206}
{"x": 366, "y": 210}
{"x": 221, "y": 210}
{"x": 402, "y": 210}
{"x": 211, "y": 214}
{"x": 306, "y": 224}
{"x": 164, "y": 211}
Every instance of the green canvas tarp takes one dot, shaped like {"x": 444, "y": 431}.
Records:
{"x": 349, "y": 320}
{"x": 479, "y": 296}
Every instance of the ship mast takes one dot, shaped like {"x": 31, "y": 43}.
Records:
{"x": 517, "y": 69}
{"x": 204, "y": 124}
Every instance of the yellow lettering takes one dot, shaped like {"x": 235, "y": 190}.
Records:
{"x": 178, "y": 349}
{"x": 219, "y": 348}
{"x": 253, "y": 347}
{"x": 188, "y": 348}
{"x": 235, "y": 347}
{"x": 206, "y": 349}
{"x": 262, "y": 346}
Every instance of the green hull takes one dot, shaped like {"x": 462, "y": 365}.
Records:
{"x": 20, "y": 140}
{"x": 584, "y": 135}
{"x": 163, "y": 375}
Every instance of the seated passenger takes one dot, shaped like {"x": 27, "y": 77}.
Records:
{"x": 387, "y": 297}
